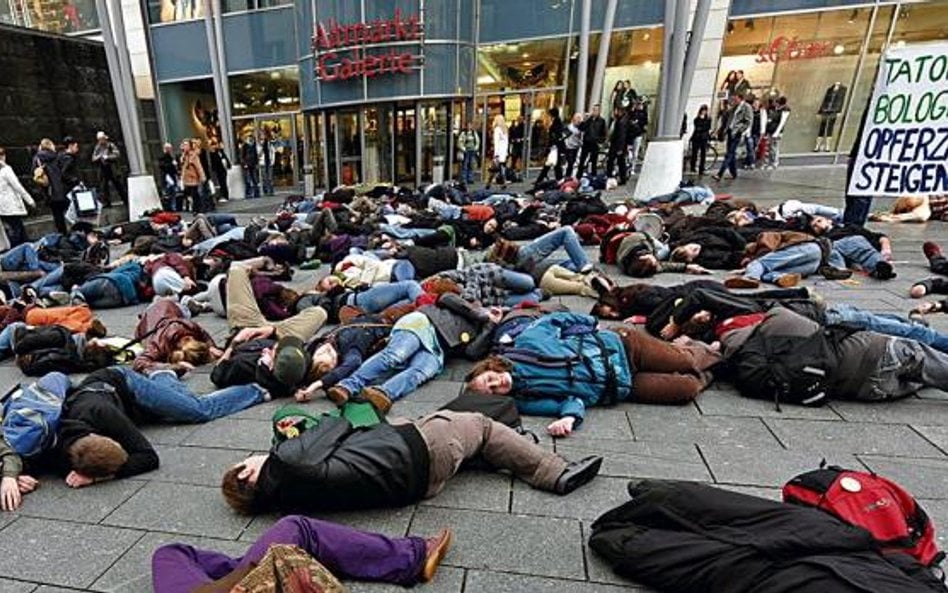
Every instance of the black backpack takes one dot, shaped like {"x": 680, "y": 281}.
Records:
{"x": 499, "y": 408}
{"x": 45, "y": 349}
{"x": 792, "y": 369}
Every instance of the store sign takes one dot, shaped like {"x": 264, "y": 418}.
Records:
{"x": 344, "y": 51}
{"x": 904, "y": 148}
{"x": 784, "y": 48}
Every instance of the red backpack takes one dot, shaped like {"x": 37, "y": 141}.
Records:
{"x": 881, "y": 507}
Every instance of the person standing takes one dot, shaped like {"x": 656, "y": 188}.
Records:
{"x": 517, "y": 134}
{"x": 573, "y": 142}
{"x": 857, "y": 207}
{"x": 207, "y": 200}
{"x": 192, "y": 175}
{"x": 638, "y": 125}
{"x": 267, "y": 158}
{"x": 619, "y": 146}
{"x": 470, "y": 145}
{"x": 14, "y": 200}
{"x": 168, "y": 167}
{"x": 50, "y": 182}
{"x": 700, "y": 137}
{"x": 555, "y": 147}
{"x": 105, "y": 157}
{"x": 755, "y": 133}
{"x": 250, "y": 161}
{"x": 220, "y": 164}
{"x": 776, "y": 122}
{"x": 501, "y": 151}
{"x": 738, "y": 126}
{"x": 69, "y": 173}
{"x": 594, "y": 133}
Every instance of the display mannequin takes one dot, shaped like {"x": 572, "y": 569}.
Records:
{"x": 830, "y": 108}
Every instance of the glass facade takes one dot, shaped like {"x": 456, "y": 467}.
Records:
{"x": 52, "y": 16}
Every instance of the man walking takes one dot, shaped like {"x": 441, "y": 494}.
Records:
{"x": 742, "y": 116}
{"x": 105, "y": 158}
{"x": 469, "y": 143}
{"x": 594, "y": 132}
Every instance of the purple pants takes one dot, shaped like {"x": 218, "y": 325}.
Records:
{"x": 346, "y": 552}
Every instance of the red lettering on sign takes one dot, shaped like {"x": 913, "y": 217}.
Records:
{"x": 784, "y": 48}
{"x": 330, "y": 36}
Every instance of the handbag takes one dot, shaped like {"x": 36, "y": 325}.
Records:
{"x": 83, "y": 202}
{"x": 552, "y": 157}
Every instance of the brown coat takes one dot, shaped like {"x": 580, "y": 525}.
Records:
{"x": 769, "y": 241}
{"x": 192, "y": 172}
{"x": 170, "y": 326}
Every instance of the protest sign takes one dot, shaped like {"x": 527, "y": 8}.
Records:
{"x": 904, "y": 148}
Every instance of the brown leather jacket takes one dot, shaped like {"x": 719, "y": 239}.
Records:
{"x": 769, "y": 241}
{"x": 169, "y": 326}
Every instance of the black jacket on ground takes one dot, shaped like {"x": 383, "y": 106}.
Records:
{"x": 429, "y": 261}
{"x": 102, "y": 404}
{"x": 462, "y": 328}
{"x": 354, "y": 342}
{"x": 721, "y": 248}
{"x": 336, "y": 466}
{"x": 684, "y": 537}
{"x": 850, "y": 230}
{"x": 243, "y": 366}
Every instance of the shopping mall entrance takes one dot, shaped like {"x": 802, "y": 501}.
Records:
{"x": 404, "y": 143}
{"x": 283, "y": 133}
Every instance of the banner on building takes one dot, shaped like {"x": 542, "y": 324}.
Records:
{"x": 904, "y": 148}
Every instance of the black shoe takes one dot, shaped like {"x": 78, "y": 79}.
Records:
{"x": 833, "y": 273}
{"x": 883, "y": 271}
{"x": 578, "y": 473}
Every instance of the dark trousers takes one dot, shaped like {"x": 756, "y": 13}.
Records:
{"x": 223, "y": 191}
{"x": 589, "y": 150}
{"x": 346, "y": 552}
{"x": 618, "y": 152}
{"x": 58, "y": 210}
{"x": 857, "y": 207}
{"x": 108, "y": 177}
{"x": 730, "y": 157}
{"x": 699, "y": 150}
{"x": 571, "y": 154}
{"x": 16, "y": 232}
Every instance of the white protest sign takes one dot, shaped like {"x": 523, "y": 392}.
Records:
{"x": 904, "y": 149}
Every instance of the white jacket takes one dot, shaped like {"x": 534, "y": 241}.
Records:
{"x": 357, "y": 270}
{"x": 13, "y": 198}
{"x": 501, "y": 144}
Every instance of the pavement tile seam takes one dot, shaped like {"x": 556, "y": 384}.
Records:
{"x": 142, "y": 536}
{"x": 707, "y": 465}
{"x": 930, "y": 441}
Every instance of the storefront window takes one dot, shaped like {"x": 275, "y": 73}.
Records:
{"x": 169, "y": 11}
{"x": 528, "y": 64}
{"x": 242, "y": 5}
{"x": 190, "y": 110}
{"x": 270, "y": 91}
{"x": 53, "y": 16}
{"x": 811, "y": 59}
{"x": 635, "y": 60}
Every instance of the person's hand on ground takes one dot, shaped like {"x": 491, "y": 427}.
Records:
{"x": 27, "y": 484}
{"x": 10, "y": 497}
{"x": 696, "y": 269}
{"x": 77, "y": 480}
{"x": 670, "y": 330}
{"x": 562, "y": 427}
{"x": 495, "y": 314}
{"x": 183, "y": 366}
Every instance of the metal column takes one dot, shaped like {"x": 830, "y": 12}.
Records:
{"x": 603, "y": 58}
{"x": 691, "y": 56}
{"x": 583, "y": 67}
{"x": 672, "y": 118}
{"x": 667, "y": 35}
{"x": 221, "y": 90}
{"x": 224, "y": 112}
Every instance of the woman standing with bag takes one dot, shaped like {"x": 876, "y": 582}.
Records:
{"x": 192, "y": 175}
{"x": 14, "y": 200}
{"x": 699, "y": 140}
{"x": 501, "y": 151}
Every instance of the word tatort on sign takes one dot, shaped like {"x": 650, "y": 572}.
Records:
{"x": 356, "y": 40}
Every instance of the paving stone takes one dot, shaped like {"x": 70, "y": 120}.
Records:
{"x": 724, "y": 400}
{"x": 447, "y": 580}
{"x": 750, "y": 467}
{"x": 196, "y": 465}
{"x": 438, "y": 391}
{"x": 495, "y": 582}
{"x": 937, "y": 511}
{"x": 604, "y": 423}
{"x": 11, "y": 586}
{"x": 392, "y": 522}
{"x": 588, "y": 502}
{"x": 168, "y": 434}
{"x": 58, "y": 553}
{"x": 908, "y": 411}
{"x": 132, "y": 572}
{"x": 638, "y": 459}
{"x": 508, "y": 543}
{"x": 924, "y": 478}
{"x": 233, "y": 433}
{"x": 853, "y": 437}
{"x": 688, "y": 428}
{"x": 937, "y": 435}
{"x": 55, "y": 500}
{"x": 179, "y": 508}
{"x": 476, "y": 490}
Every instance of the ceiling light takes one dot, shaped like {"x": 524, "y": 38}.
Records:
{"x": 646, "y": 36}
{"x": 839, "y": 49}
{"x": 853, "y": 16}
{"x": 525, "y": 56}
{"x": 486, "y": 79}
{"x": 276, "y": 75}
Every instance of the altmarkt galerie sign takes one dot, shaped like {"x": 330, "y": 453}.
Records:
{"x": 344, "y": 51}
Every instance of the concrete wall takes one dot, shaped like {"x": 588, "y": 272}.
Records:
{"x": 709, "y": 58}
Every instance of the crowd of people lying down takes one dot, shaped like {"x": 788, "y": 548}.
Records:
{"x": 417, "y": 278}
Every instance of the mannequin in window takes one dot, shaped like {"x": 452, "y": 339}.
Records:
{"x": 832, "y": 105}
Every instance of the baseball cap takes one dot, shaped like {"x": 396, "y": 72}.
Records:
{"x": 100, "y": 135}
{"x": 291, "y": 362}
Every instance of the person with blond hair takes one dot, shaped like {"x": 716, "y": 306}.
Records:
{"x": 501, "y": 151}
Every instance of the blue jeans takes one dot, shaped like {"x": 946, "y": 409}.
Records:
{"x": 403, "y": 234}
{"x": 101, "y": 293}
{"x": 403, "y": 270}
{"x": 883, "y": 323}
{"x": 445, "y": 210}
{"x": 404, "y": 351}
{"x": 854, "y": 250}
{"x": 467, "y": 166}
{"x": 522, "y": 288}
{"x": 25, "y": 258}
{"x": 252, "y": 182}
{"x": 803, "y": 259}
{"x": 730, "y": 155}
{"x": 166, "y": 397}
{"x": 221, "y": 222}
{"x": 382, "y": 296}
{"x": 48, "y": 283}
{"x": 6, "y": 338}
{"x": 267, "y": 180}
{"x": 540, "y": 248}
{"x": 750, "y": 144}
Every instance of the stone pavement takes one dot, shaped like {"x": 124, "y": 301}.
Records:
{"x": 509, "y": 538}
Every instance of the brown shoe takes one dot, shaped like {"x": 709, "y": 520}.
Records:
{"x": 788, "y": 280}
{"x": 337, "y": 395}
{"x": 741, "y": 282}
{"x": 377, "y": 398}
{"x": 349, "y": 312}
{"x": 396, "y": 312}
{"x": 435, "y": 549}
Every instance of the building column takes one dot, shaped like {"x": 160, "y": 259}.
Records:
{"x": 704, "y": 83}
{"x": 602, "y": 59}
{"x": 582, "y": 68}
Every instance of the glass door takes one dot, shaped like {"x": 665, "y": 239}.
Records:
{"x": 332, "y": 152}
{"x": 349, "y": 146}
{"x": 317, "y": 147}
{"x": 406, "y": 144}
{"x": 277, "y": 141}
{"x": 377, "y": 161}
{"x": 435, "y": 139}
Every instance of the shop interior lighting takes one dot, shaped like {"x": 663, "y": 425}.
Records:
{"x": 853, "y": 16}
{"x": 839, "y": 49}
{"x": 749, "y": 24}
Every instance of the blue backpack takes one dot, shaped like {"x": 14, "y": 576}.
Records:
{"x": 31, "y": 414}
